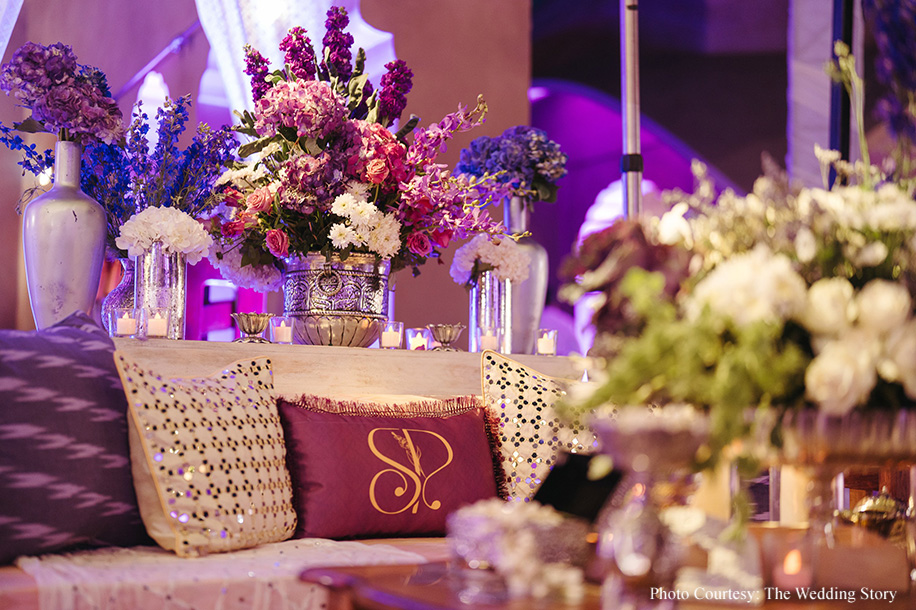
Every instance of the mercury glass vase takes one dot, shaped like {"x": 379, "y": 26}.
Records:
{"x": 161, "y": 283}
{"x": 63, "y": 243}
{"x": 122, "y": 295}
{"x": 528, "y": 296}
{"x": 490, "y": 306}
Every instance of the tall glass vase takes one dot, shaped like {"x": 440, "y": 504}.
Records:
{"x": 530, "y": 295}
{"x": 63, "y": 243}
{"x": 122, "y": 295}
{"x": 490, "y": 306}
{"x": 161, "y": 283}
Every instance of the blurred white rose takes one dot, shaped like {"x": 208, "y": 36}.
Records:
{"x": 841, "y": 376}
{"x": 871, "y": 255}
{"x": 805, "y": 245}
{"x": 882, "y": 306}
{"x": 673, "y": 228}
{"x": 900, "y": 358}
{"x": 829, "y": 307}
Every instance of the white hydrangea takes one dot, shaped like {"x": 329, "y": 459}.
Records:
{"x": 176, "y": 230}
{"x": 508, "y": 259}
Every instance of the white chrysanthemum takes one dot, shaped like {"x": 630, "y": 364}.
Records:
{"x": 228, "y": 260}
{"x": 365, "y": 214}
{"x": 344, "y": 204}
{"x": 342, "y": 236}
{"x": 175, "y": 230}
{"x": 385, "y": 239}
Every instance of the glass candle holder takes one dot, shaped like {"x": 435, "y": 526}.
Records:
{"x": 123, "y": 322}
{"x": 392, "y": 335}
{"x": 281, "y": 330}
{"x": 155, "y": 322}
{"x": 547, "y": 342}
{"x": 417, "y": 338}
{"x": 489, "y": 337}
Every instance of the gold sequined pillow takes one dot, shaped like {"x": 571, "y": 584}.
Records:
{"x": 530, "y": 432}
{"x": 208, "y": 458}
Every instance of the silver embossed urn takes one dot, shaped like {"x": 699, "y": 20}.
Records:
{"x": 336, "y": 302}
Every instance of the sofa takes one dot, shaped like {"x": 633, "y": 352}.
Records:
{"x": 186, "y": 474}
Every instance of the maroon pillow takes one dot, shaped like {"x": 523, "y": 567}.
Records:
{"x": 364, "y": 470}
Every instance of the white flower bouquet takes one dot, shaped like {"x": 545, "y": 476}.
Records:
{"x": 176, "y": 230}
{"x": 503, "y": 257}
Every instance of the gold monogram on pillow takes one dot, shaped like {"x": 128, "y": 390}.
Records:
{"x": 408, "y": 465}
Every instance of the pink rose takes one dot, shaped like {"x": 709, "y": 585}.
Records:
{"x": 376, "y": 171}
{"x": 441, "y": 237}
{"x": 418, "y": 243}
{"x": 233, "y": 228}
{"x": 277, "y": 243}
{"x": 260, "y": 200}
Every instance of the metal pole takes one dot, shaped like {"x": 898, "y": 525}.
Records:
{"x": 631, "y": 164}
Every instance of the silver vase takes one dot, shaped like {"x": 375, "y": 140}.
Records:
{"x": 63, "y": 243}
{"x": 340, "y": 303}
{"x": 161, "y": 283}
{"x": 490, "y": 306}
{"x": 528, "y": 296}
{"x": 122, "y": 295}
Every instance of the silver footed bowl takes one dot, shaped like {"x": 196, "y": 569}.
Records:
{"x": 252, "y": 326}
{"x": 445, "y": 334}
{"x": 337, "y": 330}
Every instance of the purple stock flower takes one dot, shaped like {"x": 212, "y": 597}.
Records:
{"x": 392, "y": 98}
{"x": 299, "y": 54}
{"x": 257, "y": 67}
{"x": 337, "y": 43}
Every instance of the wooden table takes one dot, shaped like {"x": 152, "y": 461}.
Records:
{"x": 432, "y": 586}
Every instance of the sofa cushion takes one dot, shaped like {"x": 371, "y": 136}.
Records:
{"x": 531, "y": 434}
{"x": 65, "y": 476}
{"x": 208, "y": 455}
{"x": 365, "y": 470}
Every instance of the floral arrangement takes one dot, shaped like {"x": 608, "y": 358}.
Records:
{"x": 323, "y": 172}
{"x": 523, "y": 158}
{"x": 178, "y": 233}
{"x": 504, "y": 257}
{"x": 788, "y": 298}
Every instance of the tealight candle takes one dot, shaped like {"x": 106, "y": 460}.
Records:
{"x": 793, "y": 572}
{"x": 488, "y": 339}
{"x": 157, "y": 326}
{"x": 282, "y": 333}
{"x": 417, "y": 338}
{"x": 126, "y": 325}
{"x": 547, "y": 342}
{"x": 391, "y": 335}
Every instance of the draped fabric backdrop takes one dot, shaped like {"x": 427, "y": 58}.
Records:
{"x": 230, "y": 24}
{"x": 8, "y": 15}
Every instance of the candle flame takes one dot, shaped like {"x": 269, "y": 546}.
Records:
{"x": 158, "y": 316}
{"x": 792, "y": 564}
{"x": 125, "y": 316}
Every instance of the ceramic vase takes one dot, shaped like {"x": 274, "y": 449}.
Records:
{"x": 336, "y": 302}
{"x": 530, "y": 295}
{"x": 161, "y": 284}
{"x": 63, "y": 243}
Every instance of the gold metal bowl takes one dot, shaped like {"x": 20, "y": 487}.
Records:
{"x": 341, "y": 331}
{"x": 252, "y": 326}
{"x": 446, "y": 334}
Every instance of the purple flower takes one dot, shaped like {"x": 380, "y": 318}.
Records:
{"x": 392, "y": 98}
{"x": 310, "y": 107}
{"x": 257, "y": 67}
{"x": 299, "y": 54}
{"x": 337, "y": 43}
